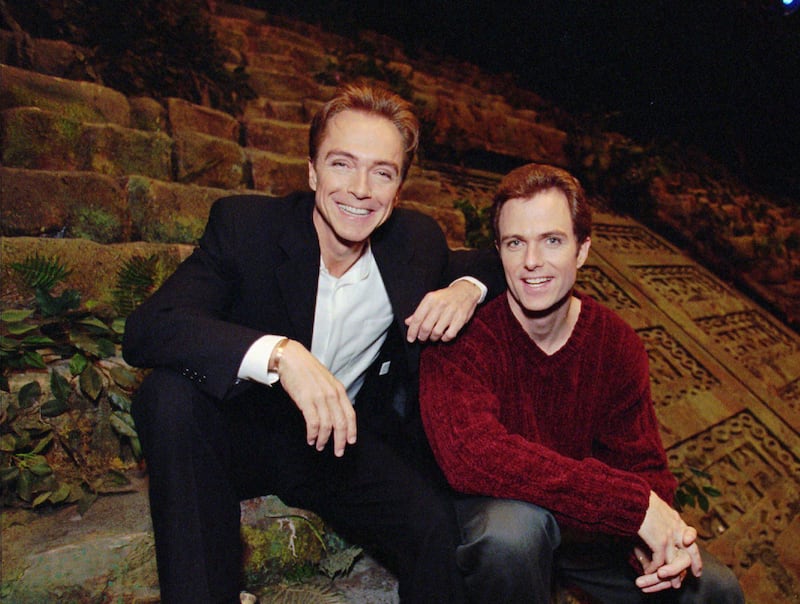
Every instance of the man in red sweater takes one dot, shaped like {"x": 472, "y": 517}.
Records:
{"x": 540, "y": 414}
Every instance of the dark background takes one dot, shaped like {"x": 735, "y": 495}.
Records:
{"x": 719, "y": 74}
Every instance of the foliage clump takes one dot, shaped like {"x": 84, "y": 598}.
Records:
{"x": 158, "y": 48}
{"x": 66, "y": 433}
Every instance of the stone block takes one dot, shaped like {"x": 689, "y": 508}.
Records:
{"x": 94, "y": 266}
{"x": 279, "y": 540}
{"x": 277, "y": 136}
{"x": 184, "y": 115}
{"x": 48, "y": 57}
{"x": 168, "y": 212}
{"x": 209, "y": 161}
{"x": 66, "y": 204}
{"x": 42, "y": 140}
{"x": 37, "y": 139}
{"x": 276, "y": 174}
{"x": 78, "y": 101}
{"x": 119, "y": 151}
{"x": 281, "y": 86}
{"x": 148, "y": 114}
{"x": 286, "y": 111}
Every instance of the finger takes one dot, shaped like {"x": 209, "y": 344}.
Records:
{"x": 651, "y": 583}
{"x": 678, "y": 564}
{"x": 344, "y": 422}
{"x": 413, "y": 328}
{"x": 697, "y": 559}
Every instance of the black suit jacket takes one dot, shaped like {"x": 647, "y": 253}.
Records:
{"x": 256, "y": 271}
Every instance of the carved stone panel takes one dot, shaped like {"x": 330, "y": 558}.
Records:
{"x": 628, "y": 239}
{"x": 681, "y": 284}
{"x": 674, "y": 372}
{"x": 593, "y": 281}
{"x": 759, "y": 481}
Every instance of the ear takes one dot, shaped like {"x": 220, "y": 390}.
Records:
{"x": 312, "y": 175}
{"x": 583, "y": 251}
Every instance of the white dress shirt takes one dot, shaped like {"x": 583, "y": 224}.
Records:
{"x": 352, "y": 316}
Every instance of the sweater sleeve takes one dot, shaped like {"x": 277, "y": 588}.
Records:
{"x": 480, "y": 455}
{"x": 628, "y": 436}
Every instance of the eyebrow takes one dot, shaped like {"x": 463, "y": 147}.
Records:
{"x": 556, "y": 232}
{"x": 347, "y": 154}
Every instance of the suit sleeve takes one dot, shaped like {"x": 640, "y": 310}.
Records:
{"x": 184, "y": 324}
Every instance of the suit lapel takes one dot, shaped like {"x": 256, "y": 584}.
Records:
{"x": 402, "y": 277}
{"x": 298, "y": 275}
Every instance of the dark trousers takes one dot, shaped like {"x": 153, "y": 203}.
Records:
{"x": 512, "y": 551}
{"x": 204, "y": 456}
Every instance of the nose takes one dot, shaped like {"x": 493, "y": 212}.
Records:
{"x": 532, "y": 259}
{"x": 359, "y": 185}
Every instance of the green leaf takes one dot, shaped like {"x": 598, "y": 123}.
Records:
{"x": 118, "y": 325}
{"x": 37, "y": 341}
{"x": 42, "y": 444}
{"x": 703, "y": 501}
{"x": 18, "y": 329}
{"x": 34, "y": 360}
{"x": 15, "y": 315}
{"x": 95, "y": 323}
{"x": 9, "y": 475}
{"x": 59, "y": 386}
{"x": 98, "y": 347}
{"x": 40, "y": 272}
{"x": 123, "y": 377}
{"x": 25, "y": 485}
{"x": 86, "y": 502}
{"x": 711, "y": 491}
{"x": 77, "y": 364}
{"x": 700, "y": 473}
{"x": 119, "y": 399}
{"x": 53, "y": 408}
{"x": 123, "y": 424}
{"x": 9, "y": 344}
{"x": 61, "y": 494}
{"x": 29, "y": 394}
{"x": 136, "y": 447}
{"x": 8, "y": 443}
{"x": 91, "y": 382}
{"x": 41, "y": 468}
{"x": 52, "y": 307}
{"x": 40, "y": 499}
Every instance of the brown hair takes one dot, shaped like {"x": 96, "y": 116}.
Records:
{"x": 375, "y": 101}
{"x": 524, "y": 182}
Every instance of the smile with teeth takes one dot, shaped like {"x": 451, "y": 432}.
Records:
{"x": 537, "y": 280}
{"x": 352, "y": 210}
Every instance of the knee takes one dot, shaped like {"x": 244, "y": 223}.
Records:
{"x": 718, "y": 583}
{"x": 509, "y": 532}
{"x": 166, "y": 404}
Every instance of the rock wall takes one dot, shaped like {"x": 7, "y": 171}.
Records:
{"x": 82, "y": 161}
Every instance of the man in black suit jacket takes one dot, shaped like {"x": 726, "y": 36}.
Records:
{"x": 290, "y": 317}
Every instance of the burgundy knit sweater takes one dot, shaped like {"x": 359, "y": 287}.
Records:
{"x": 574, "y": 432}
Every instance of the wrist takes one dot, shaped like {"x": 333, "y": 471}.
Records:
{"x": 275, "y": 358}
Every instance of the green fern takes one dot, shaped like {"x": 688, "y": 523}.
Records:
{"x": 41, "y": 273}
{"x": 137, "y": 278}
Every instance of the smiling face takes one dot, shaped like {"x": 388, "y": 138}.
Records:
{"x": 540, "y": 254}
{"x": 356, "y": 175}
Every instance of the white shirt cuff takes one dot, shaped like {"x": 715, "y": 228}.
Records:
{"x": 254, "y": 366}
{"x": 477, "y": 284}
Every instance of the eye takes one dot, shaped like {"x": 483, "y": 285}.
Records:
{"x": 553, "y": 240}
{"x": 386, "y": 175}
{"x": 513, "y": 244}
